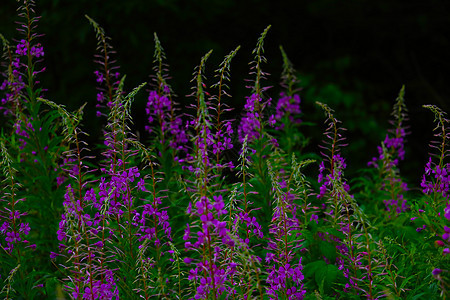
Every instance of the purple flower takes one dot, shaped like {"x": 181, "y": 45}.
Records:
{"x": 272, "y": 120}
{"x": 446, "y": 235}
{"x": 24, "y": 228}
{"x": 288, "y": 106}
{"x": 98, "y": 244}
{"x": 338, "y": 167}
{"x": 4, "y": 227}
{"x": 219, "y": 205}
{"x": 436, "y": 271}
{"x": 37, "y": 51}
{"x": 269, "y": 257}
{"x": 100, "y": 77}
{"x": 22, "y": 48}
{"x": 251, "y": 121}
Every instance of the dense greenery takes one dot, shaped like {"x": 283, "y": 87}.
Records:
{"x": 213, "y": 203}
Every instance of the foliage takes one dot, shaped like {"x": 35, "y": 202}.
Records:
{"x": 217, "y": 204}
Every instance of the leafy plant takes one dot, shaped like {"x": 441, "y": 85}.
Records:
{"x": 214, "y": 203}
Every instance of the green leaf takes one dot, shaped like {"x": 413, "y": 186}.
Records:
{"x": 404, "y": 282}
{"x": 326, "y": 276}
{"x": 419, "y": 296}
{"x": 51, "y": 286}
{"x": 332, "y": 231}
{"x": 329, "y": 250}
{"x": 313, "y": 267}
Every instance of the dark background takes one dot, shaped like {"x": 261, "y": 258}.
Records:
{"x": 354, "y": 55}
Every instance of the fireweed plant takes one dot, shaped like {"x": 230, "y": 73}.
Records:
{"x": 390, "y": 153}
{"x": 212, "y": 203}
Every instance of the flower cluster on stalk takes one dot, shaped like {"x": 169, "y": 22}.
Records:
{"x": 83, "y": 242}
{"x": 439, "y": 179}
{"x": 436, "y": 185}
{"x": 107, "y": 76}
{"x": 284, "y": 272}
{"x": 13, "y": 228}
{"x": 327, "y": 180}
{"x": 210, "y": 237}
{"x": 251, "y": 121}
{"x": 22, "y": 71}
{"x": 344, "y": 214}
{"x": 13, "y": 86}
{"x": 390, "y": 153}
{"x": 287, "y": 106}
{"x": 160, "y": 112}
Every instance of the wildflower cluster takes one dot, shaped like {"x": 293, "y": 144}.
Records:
{"x": 251, "y": 125}
{"x": 160, "y": 107}
{"x": 210, "y": 273}
{"x": 288, "y": 106}
{"x": 252, "y": 121}
{"x": 205, "y": 206}
{"x": 107, "y": 76}
{"x": 284, "y": 272}
{"x": 14, "y": 81}
{"x": 13, "y": 229}
{"x": 390, "y": 153}
{"x": 438, "y": 185}
{"x": 440, "y": 179}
